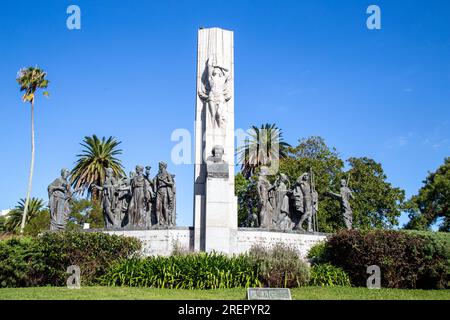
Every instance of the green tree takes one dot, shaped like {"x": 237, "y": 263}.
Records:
{"x": 432, "y": 201}
{"x": 14, "y": 217}
{"x": 97, "y": 155}
{"x": 85, "y": 211}
{"x": 265, "y": 146}
{"x": 2, "y": 224}
{"x": 30, "y": 80}
{"x": 377, "y": 203}
{"x": 246, "y": 192}
{"x": 39, "y": 223}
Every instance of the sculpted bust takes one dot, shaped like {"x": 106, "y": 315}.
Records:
{"x": 216, "y": 167}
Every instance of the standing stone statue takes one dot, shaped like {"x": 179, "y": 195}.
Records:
{"x": 281, "y": 187}
{"x": 303, "y": 201}
{"x": 174, "y": 210}
{"x": 112, "y": 206}
{"x": 124, "y": 198}
{"x": 137, "y": 208}
{"x": 164, "y": 186}
{"x": 315, "y": 207}
{"x": 265, "y": 207}
{"x": 344, "y": 197}
{"x": 215, "y": 92}
{"x": 149, "y": 197}
{"x": 59, "y": 194}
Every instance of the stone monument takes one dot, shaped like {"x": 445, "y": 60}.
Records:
{"x": 215, "y": 205}
{"x": 145, "y": 206}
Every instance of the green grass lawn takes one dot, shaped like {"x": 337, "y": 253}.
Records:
{"x": 126, "y": 293}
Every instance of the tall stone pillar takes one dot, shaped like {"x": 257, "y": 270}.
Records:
{"x": 215, "y": 205}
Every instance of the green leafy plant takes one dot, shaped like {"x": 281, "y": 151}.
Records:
{"x": 406, "y": 259}
{"x": 279, "y": 266}
{"x": 43, "y": 260}
{"x": 184, "y": 271}
{"x": 328, "y": 275}
{"x": 317, "y": 253}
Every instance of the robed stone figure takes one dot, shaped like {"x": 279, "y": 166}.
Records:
{"x": 137, "y": 209}
{"x": 344, "y": 196}
{"x": 59, "y": 194}
{"x": 265, "y": 207}
{"x": 281, "y": 188}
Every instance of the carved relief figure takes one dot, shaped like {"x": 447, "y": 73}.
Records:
{"x": 215, "y": 92}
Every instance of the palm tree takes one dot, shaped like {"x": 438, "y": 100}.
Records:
{"x": 14, "y": 217}
{"x": 30, "y": 79}
{"x": 264, "y": 146}
{"x": 96, "y": 156}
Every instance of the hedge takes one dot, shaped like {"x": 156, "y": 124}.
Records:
{"x": 43, "y": 260}
{"x": 406, "y": 259}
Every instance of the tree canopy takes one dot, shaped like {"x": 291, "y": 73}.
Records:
{"x": 432, "y": 203}
{"x": 97, "y": 155}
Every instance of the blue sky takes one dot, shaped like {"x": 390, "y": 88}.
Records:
{"x": 312, "y": 67}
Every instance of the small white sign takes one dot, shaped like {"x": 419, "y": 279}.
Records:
{"x": 268, "y": 294}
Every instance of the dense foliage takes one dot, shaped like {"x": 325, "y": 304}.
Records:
{"x": 406, "y": 259}
{"x": 184, "y": 271}
{"x": 85, "y": 211}
{"x": 279, "y": 266}
{"x": 37, "y": 219}
{"x": 43, "y": 260}
{"x": 326, "y": 274}
{"x": 432, "y": 201}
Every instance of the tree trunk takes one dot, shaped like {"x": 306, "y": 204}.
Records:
{"x": 30, "y": 178}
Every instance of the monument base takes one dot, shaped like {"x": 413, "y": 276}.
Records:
{"x": 163, "y": 241}
{"x": 221, "y": 217}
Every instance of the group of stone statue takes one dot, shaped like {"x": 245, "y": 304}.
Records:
{"x": 289, "y": 208}
{"x": 137, "y": 201}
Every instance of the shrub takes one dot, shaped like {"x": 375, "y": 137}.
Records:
{"x": 279, "y": 266}
{"x": 16, "y": 256}
{"x": 406, "y": 259}
{"x": 38, "y": 261}
{"x": 184, "y": 271}
{"x": 316, "y": 253}
{"x": 328, "y": 275}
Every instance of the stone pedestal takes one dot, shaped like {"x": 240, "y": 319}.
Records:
{"x": 221, "y": 217}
